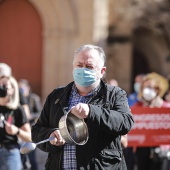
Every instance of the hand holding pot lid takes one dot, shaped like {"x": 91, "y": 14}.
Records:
{"x": 81, "y": 110}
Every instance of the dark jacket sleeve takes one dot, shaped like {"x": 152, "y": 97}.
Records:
{"x": 117, "y": 118}
{"x": 42, "y": 129}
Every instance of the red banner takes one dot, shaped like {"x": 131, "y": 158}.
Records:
{"x": 151, "y": 128}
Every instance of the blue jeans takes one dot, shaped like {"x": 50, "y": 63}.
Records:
{"x": 10, "y": 159}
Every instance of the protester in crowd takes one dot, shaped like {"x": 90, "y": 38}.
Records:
{"x": 33, "y": 100}
{"x": 5, "y": 68}
{"x": 34, "y": 104}
{"x": 133, "y": 97}
{"x": 129, "y": 152}
{"x": 13, "y": 123}
{"x": 104, "y": 109}
{"x": 153, "y": 88}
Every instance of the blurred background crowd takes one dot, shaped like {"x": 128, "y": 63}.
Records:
{"x": 38, "y": 38}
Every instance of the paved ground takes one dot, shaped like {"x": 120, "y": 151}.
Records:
{"x": 41, "y": 158}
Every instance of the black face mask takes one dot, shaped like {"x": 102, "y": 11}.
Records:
{"x": 3, "y": 91}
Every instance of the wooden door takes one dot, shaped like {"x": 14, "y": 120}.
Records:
{"x": 21, "y": 41}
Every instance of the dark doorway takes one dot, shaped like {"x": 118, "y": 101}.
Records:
{"x": 140, "y": 65}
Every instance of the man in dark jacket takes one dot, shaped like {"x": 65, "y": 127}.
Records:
{"x": 104, "y": 108}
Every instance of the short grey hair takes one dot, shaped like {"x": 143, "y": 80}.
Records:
{"x": 92, "y": 47}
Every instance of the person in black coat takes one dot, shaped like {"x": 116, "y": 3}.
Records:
{"x": 104, "y": 109}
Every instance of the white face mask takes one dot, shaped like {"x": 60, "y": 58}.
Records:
{"x": 137, "y": 87}
{"x": 148, "y": 94}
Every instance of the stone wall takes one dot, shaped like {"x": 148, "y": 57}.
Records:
{"x": 67, "y": 24}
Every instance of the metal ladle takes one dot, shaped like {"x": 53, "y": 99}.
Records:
{"x": 28, "y": 147}
{"x": 73, "y": 130}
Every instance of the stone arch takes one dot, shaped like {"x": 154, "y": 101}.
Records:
{"x": 59, "y": 24}
{"x": 154, "y": 46}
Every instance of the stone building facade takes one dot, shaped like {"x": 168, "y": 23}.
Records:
{"x": 111, "y": 24}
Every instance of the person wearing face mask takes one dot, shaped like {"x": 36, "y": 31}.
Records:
{"x": 103, "y": 107}
{"x": 129, "y": 152}
{"x": 133, "y": 97}
{"x": 152, "y": 89}
{"x": 34, "y": 104}
{"x": 6, "y": 70}
{"x": 33, "y": 100}
{"x": 13, "y": 124}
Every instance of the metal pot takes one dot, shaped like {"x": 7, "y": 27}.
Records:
{"x": 73, "y": 129}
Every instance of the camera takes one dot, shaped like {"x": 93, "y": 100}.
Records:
{"x": 3, "y": 91}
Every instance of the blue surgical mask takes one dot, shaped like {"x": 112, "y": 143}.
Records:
{"x": 137, "y": 87}
{"x": 84, "y": 76}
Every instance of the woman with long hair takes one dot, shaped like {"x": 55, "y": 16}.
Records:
{"x": 14, "y": 125}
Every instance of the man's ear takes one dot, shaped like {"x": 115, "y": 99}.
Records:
{"x": 103, "y": 70}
